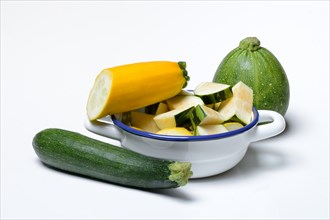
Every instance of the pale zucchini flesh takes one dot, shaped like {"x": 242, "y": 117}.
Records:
{"x": 231, "y": 126}
{"x": 210, "y": 129}
{"x": 144, "y": 121}
{"x": 186, "y": 93}
{"x": 177, "y": 131}
{"x": 166, "y": 120}
{"x": 162, "y": 108}
{"x": 240, "y": 105}
{"x": 183, "y": 102}
{"x": 203, "y": 115}
{"x": 98, "y": 96}
{"x": 228, "y": 108}
{"x": 173, "y": 118}
{"x": 156, "y": 109}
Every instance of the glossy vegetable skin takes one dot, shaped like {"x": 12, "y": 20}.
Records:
{"x": 76, "y": 153}
{"x": 132, "y": 86}
{"x": 258, "y": 68}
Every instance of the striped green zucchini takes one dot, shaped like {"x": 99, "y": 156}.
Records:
{"x": 76, "y": 153}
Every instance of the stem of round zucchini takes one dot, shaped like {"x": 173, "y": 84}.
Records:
{"x": 250, "y": 43}
{"x": 180, "y": 172}
{"x": 183, "y": 65}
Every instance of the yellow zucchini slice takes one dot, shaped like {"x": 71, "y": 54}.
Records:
{"x": 144, "y": 121}
{"x": 136, "y": 128}
{"x": 231, "y": 126}
{"x": 162, "y": 108}
{"x": 177, "y": 131}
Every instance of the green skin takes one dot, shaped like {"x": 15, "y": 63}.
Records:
{"x": 216, "y": 97}
{"x": 258, "y": 68}
{"x": 183, "y": 118}
{"x": 196, "y": 117}
{"x": 73, "y": 152}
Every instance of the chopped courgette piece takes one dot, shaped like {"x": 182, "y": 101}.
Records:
{"x": 211, "y": 92}
{"x": 185, "y": 92}
{"x": 144, "y": 121}
{"x": 240, "y": 105}
{"x": 215, "y": 106}
{"x": 233, "y": 126}
{"x": 177, "y": 131}
{"x": 151, "y": 109}
{"x": 174, "y": 118}
{"x": 210, "y": 129}
{"x": 162, "y": 108}
{"x": 156, "y": 109}
{"x": 183, "y": 102}
{"x": 203, "y": 115}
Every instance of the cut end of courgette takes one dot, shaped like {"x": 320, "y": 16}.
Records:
{"x": 180, "y": 172}
{"x": 98, "y": 97}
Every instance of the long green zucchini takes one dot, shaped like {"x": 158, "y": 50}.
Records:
{"x": 76, "y": 153}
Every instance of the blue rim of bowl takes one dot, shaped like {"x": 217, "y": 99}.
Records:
{"x": 187, "y": 138}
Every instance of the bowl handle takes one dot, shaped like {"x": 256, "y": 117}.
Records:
{"x": 105, "y": 129}
{"x": 275, "y": 125}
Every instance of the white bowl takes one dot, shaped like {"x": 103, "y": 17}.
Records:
{"x": 208, "y": 154}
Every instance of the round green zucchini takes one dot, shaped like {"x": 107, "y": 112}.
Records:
{"x": 258, "y": 68}
{"x": 76, "y": 153}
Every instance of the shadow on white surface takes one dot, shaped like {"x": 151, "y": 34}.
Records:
{"x": 258, "y": 159}
{"x": 296, "y": 123}
{"x": 262, "y": 157}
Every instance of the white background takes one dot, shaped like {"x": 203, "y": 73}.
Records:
{"x": 52, "y": 51}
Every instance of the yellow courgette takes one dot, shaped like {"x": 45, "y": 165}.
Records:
{"x": 132, "y": 86}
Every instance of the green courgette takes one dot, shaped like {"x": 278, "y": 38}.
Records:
{"x": 76, "y": 153}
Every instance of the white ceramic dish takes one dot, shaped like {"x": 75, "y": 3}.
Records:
{"x": 209, "y": 154}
